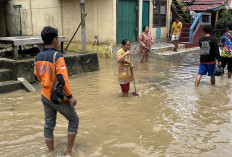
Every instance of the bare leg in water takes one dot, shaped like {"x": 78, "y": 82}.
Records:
{"x": 71, "y": 139}
{"x": 174, "y": 43}
{"x": 223, "y": 76}
{"x": 229, "y": 75}
{"x": 212, "y": 79}
{"x": 142, "y": 56}
{"x": 124, "y": 94}
{"x": 146, "y": 56}
{"x": 177, "y": 43}
{"x": 198, "y": 79}
{"x": 50, "y": 145}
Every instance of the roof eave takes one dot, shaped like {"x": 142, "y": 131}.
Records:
{"x": 188, "y": 3}
{"x": 191, "y": 1}
{"x": 219, "y": 8}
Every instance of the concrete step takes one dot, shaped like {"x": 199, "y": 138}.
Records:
{"x": 184, "y": 43}
{"x": 187, "y": 25}
{"x": 184, "y": 39}
{"x": 191, "y": 45}
{"x": 9, "y": 86}
{"x": 185, "y": 34}
{"x": 167, "y": 48}
{"x": 185, "y": 29}
{"x": 5, "y": 75}
{"x": 172, "y": 53}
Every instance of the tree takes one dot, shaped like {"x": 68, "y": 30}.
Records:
{"x": 226, "y": 18}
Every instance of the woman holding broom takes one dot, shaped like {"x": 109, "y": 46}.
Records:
{"x": 145, "y": 42}
{"x": 124, "y": 67}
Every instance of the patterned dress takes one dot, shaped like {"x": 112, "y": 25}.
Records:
{"x": 124, "y": 68}
{"x": 146, "y": 39}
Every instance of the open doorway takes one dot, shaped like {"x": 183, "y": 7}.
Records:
{"x": 145, "y": 16}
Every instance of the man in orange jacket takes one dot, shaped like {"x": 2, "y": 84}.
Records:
{"x": 43, "y": 73}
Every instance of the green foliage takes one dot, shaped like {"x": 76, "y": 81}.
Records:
{"x": 187, "y": 13}
{"x": 180, "y": 4}
{"x": 226, "y": 18}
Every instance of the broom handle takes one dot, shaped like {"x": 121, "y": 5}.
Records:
{"x": 134, "y": 86}
{"x": 133, "y": 79}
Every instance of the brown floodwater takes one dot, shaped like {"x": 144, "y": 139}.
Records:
{"x": 170, "y": 118}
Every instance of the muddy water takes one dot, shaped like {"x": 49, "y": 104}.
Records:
{"x": 170, "y": 118}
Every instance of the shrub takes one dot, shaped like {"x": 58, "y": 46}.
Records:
{"x": 226, "y": 18}
{"x": 180, "y": 4}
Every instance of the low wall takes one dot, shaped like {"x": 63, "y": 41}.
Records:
{"x": 76, "y": 64}
{"x": 102, "y": 50}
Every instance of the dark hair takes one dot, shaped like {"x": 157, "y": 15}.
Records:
{"x": 229, "y": 26}
{"x": 124, "y": 41}
{"x": 48, "y": 34}
{"x": 177, "y": 17}
{"x": 208, "y": 29}
{"x": 144, "y": 27}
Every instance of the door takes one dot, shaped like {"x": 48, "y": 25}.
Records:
{"x": 127, "y": 20}
{"x": 145, "y": 15}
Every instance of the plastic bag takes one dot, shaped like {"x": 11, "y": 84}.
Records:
{"x": 218, "y": 70}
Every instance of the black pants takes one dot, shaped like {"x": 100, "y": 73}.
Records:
{"x": 227, "y": 61}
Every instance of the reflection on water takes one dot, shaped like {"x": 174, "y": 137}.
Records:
{"x": 170, "y": 118}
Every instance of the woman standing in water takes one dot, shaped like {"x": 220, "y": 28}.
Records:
{"x": 124, "y": 67}
{"x": 145, "y": 42}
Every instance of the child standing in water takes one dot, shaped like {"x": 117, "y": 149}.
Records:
{"x": 124, "y": 67}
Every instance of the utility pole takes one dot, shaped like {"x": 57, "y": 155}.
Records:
{"x": 83, "y": 30}
{"x": 20, "y": 18}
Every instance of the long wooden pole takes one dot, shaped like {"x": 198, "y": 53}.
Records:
{"x": 83, "y": 30}
{"x": 74, "y": 34}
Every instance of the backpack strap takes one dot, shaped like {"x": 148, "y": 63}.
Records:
{"x": 54, "y": 68}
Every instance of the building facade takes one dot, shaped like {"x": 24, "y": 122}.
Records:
{"x": 107, "y": 21}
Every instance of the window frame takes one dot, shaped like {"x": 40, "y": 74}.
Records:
{"x": 159, "y": 15}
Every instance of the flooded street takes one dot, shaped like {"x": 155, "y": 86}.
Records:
{"x": 170, "y": 118}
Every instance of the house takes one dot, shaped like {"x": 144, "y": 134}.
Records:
{"x": 195, "y": 14}
{"x": 107, "y": 21}
{"x": 211, "y": 9}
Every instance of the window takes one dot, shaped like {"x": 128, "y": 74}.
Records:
{"x": 206, "y": 18}
{"x": 159, "y": 13}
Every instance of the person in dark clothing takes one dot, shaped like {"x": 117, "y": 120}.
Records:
{"x": 209, "y": 54}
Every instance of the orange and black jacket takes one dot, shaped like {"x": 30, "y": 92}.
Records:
{"x": 43, "y": 71}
